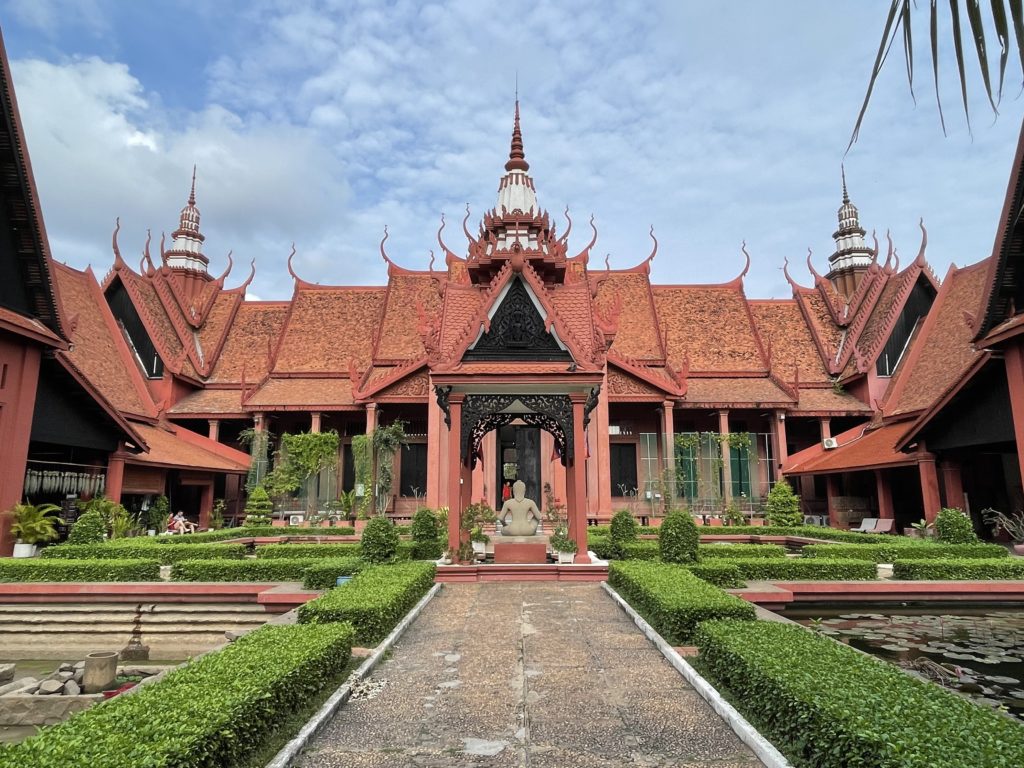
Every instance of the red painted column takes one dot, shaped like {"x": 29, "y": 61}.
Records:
{"x": 885, "y": 508}
{"x": 115, "y": 479}
{"x": 599, "y": 435}
{"x": 723, "y": 430}
{"x": 929, "y": 488}
{"x": 435, "y": 451}
{"x": 953, "y": 485}
{"x": 205, "y": 505}
{"x": 18, "y": 397}
{"x": 825, "y": 424}
{"x": 214, "y": 433}
{"x": 578, "y": 510}
{"x": 779, "y": 433}
{"x": 832, "y": 492}
{"x": 454, "y": 475}
{"x": 1014, "y": 360}
{"x": 314, "y": 422}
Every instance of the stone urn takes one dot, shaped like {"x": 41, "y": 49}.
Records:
{"x": 100, "y": 671}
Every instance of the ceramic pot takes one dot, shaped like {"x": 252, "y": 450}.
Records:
{"x": 24, "y": 550}
{"x": 566, "y": 558}
{"x": 1017, "y": 548}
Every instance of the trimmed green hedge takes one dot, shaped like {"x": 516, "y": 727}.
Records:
{"x": 745, "y": 551}
{"x": 828, "y": 705}
{"x": 962, "y": 569}
{"x": 638, "y": 550}
{"x": 721, "y": 572}
{"x": 293, "y": 551}
{"x": 602, "y": 547}
{"x": 374, "y": 601}
{"x": 906, "y": 549}
{"x": 207, "y": 537}
{"x": 323, "y": 574}
{"x": 672, "y": 599}
{"x": 275, "y": 569}
{"x": 211, "y": 712}
{"x": 806, "y": 531}
{"x": 133, "y": 549}
{"x": 79, "y": 570}
{"x": 811, "y": 569}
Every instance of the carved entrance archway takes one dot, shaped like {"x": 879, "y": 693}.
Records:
{"x": 484, "y": 413}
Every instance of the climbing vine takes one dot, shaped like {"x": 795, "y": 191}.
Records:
{"x": 387, "y": 441}
{"x": 258, "y": 443}
{"x": 301, "y": 458}
{"x": 362, "y": 461}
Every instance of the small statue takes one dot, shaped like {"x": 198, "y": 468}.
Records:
{"x": 524, "y": 513}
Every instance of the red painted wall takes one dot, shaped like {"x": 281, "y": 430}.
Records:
{"x": 19, "y": 377}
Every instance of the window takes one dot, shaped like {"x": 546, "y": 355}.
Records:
{"x": 623, "y": 474}
{"x": 688, "y": 469}
{"x": 413, "y": 472}
{"x": 348, "y": 469}
{"x": 739, "y": 462}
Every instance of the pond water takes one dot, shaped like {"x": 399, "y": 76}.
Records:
{"x": 978, "y": 652}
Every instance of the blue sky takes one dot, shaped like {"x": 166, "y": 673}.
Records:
{"x": 320, "y": 122}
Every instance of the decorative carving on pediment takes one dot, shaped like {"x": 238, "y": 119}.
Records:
{"x": 621, "y": 383}
{"x": 483, "y": 413}
{"x": 517, "y": 331}
{"x": 417, "y": 385}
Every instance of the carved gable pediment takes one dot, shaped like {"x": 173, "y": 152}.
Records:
{"x": 417, "y": 385}
{"x": 621, "y": 383}
{"x": 517, "y": 331}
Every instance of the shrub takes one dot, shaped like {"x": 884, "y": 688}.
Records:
{"x": 677, "y": 538}
{"x": 259, "y": 510}
{"x": 816, "y": 569}
{"x": 212, "y": 712}
{"x": 374, "y": 601}
{"x": 380, "y": 541}
{"x": 745, "y": 551}
{"x": 673, "y": 600}
{"x": 952, "y": 526}
{"x": 292, "y": 551}
{"x": 144, "y": 548}
{"x": 911, "y": 550}
{"x": 79, "y": 570}
{"x": 158, "y": 513}
{"x": 962, "y": 569}
{"x": 88, "y": 529}
{"x": 324, "y": 573}
{"x": 782, "y": 507}
{"x": 828, "y": 705}
{"x": 274, "y": 569}
{"x": 639, "y": 550}
{"x": 601, "y": 546}
{"x": 722, "y": 573}
{"x": 622, "y": 531}
{"x": 426, "y": 534}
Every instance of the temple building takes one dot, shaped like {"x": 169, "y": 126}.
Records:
{"x": 517, "y": 358}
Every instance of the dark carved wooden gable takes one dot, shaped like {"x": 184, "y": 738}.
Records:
{"x": 517, "y": 332}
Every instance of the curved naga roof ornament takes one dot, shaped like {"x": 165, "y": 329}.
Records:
{"x": 249, "y": 279}
{"x": 220, "y": 280}
{"x": 818, "y": 279}
{"x": 789, "y": 278}
{"x": 920, "y": 260}
{"x": 565, "y": 236}
{"x": 887, "y": 266}
{"x": 118, "y": 261}
{"x": 291, "y": 271}
{"x": 449, "y": 255}
{"x": 654, "y": 252}
{"x": 163, "y": 252}
{"x": 146, "y": 266}
{"x": 465, "y": 229}
{"x": 738, "y": 280}
{"x": 383, "y": 253}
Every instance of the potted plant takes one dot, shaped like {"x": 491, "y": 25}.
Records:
{"x": 1012, "y": 524}
{"x": 479, "y": 540}
{"x": 732, "y": 514}
{"x": 33, "y": 525}
{"x": 563, "y": 547}
{"x": 922, "y": 529}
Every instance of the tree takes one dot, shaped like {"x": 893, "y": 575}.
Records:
{"x": 301, "y": 459}
{"x": 258, "y": 508}
{"x": 783, "y": 506}
{"x": 678, "y": 538}
{"x": 1003, "y": 15}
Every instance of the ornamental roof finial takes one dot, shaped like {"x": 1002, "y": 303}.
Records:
{"x": 192, "y": 193}
{"x": 516, "y": 155}
{"x": 842, "y": 170}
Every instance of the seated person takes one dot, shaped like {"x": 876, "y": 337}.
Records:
{"x": 524, "y": 513}
{"x": 181, "y": 525}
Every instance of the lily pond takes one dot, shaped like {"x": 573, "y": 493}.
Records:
{"x": 976, "y": 652}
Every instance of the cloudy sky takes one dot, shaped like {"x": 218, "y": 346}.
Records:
{"x": 320, "y": 122}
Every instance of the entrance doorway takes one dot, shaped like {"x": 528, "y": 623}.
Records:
{"x": 518, "y": 459}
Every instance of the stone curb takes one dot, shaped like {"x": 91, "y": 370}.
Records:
{"x": 286, "y": 757}
{"x": 765, "y": 751}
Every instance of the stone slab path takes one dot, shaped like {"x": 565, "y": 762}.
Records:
{"x": 520, "y": 674}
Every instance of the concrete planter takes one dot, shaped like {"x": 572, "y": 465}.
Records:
{"x": 1018, "y": 549}
{"x": 100, "y": 671}
{"x": 565, "y": 558}
{"x": 24, "y": 550}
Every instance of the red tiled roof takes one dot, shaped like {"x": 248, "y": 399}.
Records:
{"x": 98, "y": 349}
{"x": 323, "y": 393}
{"x": 399, "y": 337}
{"x": 153, "y": 315}
{"x": 327, "y": 328}
{"x": 28, "y": 326}
{"x": 710, "y": 325}
{"x": 174, "y": 446}
{"x": 572, "y": 305}
{"x": 252, "y": 335}
{"x": 821, "y": 320}
{"x": 216, "y": 325}
{"x": 817, "y": 400}
{"x": 784, "y": 330}
{"x": 859, "y": 448}
{"x": 461, "y": 304}
{"x": 209, "y": 401}
{"x": 753, "y": 391}
{"x": 942, "y": 353}
{"x": 638, "y": 336}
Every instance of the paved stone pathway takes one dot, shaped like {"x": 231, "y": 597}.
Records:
{"x": 521, "y": 674}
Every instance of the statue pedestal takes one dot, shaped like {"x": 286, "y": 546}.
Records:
{"x": 520, "y": 549}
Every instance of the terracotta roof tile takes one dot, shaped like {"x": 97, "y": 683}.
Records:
{"x": 572, "y": 305}
{"x": 638, "y": 335}
{"x": 461, "y": 304}
{"x": 830, "y": 400}
{"x": 399, "y": 336}
{"x": 253, "y": 332}
{"x": 821, "y": 319}
{"x": 96, "y": 351}
{"x": 302, "y": 393}
{"x": 212, "y": 332}
{"x": 168, "y": 446}
{"x": 33, "y": 326}
{"x": 859, "y": 448}
{"x": 782, "y": 327}
{"x": 710, "y": 325}
{"x": 942, "y": 353}
{"x": 735, "y": 390}
{"x": 210, "y": 401}
{"x": 153, "y": 315}
{"x": 328, "y": 328}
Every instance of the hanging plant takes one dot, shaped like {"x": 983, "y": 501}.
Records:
{"x": 300, "y": 458}
{"x": 362, "y": 461}
{"x": 386, "y": 443}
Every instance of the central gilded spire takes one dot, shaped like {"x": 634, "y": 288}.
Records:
{"x": 516, "y": 155}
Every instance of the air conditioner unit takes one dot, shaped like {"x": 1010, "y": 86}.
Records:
{"x": 295, "y": 520}
{"x": 829, "y": 443}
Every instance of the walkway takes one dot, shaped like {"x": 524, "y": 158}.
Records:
{"x": 526, "y": 674}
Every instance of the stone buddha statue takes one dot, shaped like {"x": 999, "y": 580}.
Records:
{"x": 525, "y": 517}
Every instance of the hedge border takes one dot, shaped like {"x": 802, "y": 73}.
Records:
{"x": 963, "y": 569}
{"x": 60, "y": 570}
